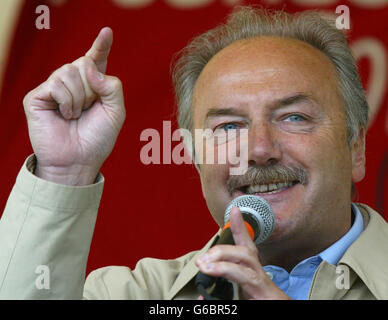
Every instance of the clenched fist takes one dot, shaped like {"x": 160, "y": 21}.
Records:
{"x": 75, "y": 116}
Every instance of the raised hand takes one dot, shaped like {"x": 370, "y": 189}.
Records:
{"x": 75, "y": 116}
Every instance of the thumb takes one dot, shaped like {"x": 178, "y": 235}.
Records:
{"x": 108, "y": 88}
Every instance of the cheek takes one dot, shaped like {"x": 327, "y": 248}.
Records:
{"x": 333, "y": 153}
{"x": 213, "y": 177}
{"x": 326, "y": 158}
{"x": 213, "y": 182}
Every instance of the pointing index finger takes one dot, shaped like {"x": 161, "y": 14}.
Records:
{"x": 240, "y": 232}
{"x": 100, "y": 48}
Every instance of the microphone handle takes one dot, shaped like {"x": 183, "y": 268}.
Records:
{"x": 210, "y": 287}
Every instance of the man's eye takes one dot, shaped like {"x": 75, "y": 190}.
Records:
{"x": 227, "y": 126}
{"x": 295, "y": 118}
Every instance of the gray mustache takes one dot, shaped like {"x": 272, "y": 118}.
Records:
{"x": 276, "y": 173}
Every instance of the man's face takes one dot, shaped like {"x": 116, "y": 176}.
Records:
{"x": 285, "y": 93}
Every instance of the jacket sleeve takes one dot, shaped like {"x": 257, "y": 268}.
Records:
{"x": 152, "y": 279}
{"x": 45, "y": 235}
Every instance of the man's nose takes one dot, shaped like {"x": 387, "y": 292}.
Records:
{"x": 263, "y": 145}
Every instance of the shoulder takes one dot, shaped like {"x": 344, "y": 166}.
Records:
{"x": 367, "y": 256}
{"x": 150, "y": 279}
{"x": 372, "y": 217}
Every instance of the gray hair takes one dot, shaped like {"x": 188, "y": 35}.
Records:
{"x": 248, "y": 22}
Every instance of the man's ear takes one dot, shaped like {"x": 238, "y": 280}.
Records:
{"x": 358, "y": 156}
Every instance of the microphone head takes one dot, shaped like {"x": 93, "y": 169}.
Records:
{"x": 258, "y": 209}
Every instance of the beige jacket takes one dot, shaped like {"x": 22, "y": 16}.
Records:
{"x": 51, "y": 225}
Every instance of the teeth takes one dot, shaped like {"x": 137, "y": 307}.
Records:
{"x": 283, "y": 185}
{"x": 270, "y": 188}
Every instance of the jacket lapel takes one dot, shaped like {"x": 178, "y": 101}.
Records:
{"x": 189, "y": 271}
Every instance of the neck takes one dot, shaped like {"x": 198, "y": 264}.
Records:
{"x": 287, "y": 253}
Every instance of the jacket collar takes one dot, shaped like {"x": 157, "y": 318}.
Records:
{"x": 368, "y": 255}
{"x": 189, "y": 271}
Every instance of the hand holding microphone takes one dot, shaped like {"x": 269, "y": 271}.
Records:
{"x": 239, "y": 262}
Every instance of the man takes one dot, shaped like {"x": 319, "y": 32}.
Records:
{"x": 292, "y": 83}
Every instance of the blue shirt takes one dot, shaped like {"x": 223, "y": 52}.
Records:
{"x": 296, "y": 284}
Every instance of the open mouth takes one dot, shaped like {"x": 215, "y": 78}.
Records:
{"x": 270, "y": 188}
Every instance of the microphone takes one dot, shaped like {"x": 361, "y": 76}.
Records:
{"x": 259, "y": 221}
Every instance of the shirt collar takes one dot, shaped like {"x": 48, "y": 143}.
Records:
{"x": 335, "y": 252}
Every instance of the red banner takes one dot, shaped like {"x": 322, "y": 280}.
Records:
{"x": 158, "y": 210}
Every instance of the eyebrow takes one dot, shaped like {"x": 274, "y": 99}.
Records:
{"x": 297, "y": 98}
